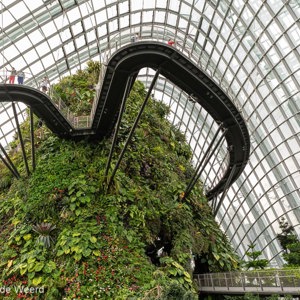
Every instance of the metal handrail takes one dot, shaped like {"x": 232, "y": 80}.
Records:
{"x": 84, "y": 122}
{"x": 156, "y": 33}
{"x": 261, "y": 281}
{"x": 76, "y": 121}
{"x": 98, "y": 88}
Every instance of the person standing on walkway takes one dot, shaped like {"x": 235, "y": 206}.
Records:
{"x": 171, "y": 42}
{"x": 12, "y": 75}
{"x": 44, "y": 84}
{"x": 135, "y": 38}
{"x": 132, "y": 39}
{"x": 21, "y": 77}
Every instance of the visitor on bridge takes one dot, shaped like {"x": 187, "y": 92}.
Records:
{"x": 21, "y": 76}
{"x": 12, "y": 75}
{"x": 45, "y": 84}
{"x": 171, "y": 42}
{"x": 135, "y": 38}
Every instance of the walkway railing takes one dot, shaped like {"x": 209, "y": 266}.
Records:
{"x": 105, "y": 113}
{"x": 155, "y": 33}
{"x": 266, "y": 282}
{"x": 98, "y": 88}
{"x": 75, "y": 121}
{"x": 115, "y": 43}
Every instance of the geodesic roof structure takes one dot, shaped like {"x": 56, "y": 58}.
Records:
{"x": 249, "y": 49}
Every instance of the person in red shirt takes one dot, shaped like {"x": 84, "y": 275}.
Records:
{"x": 12, "y": 75}
{"x": 171, "y": 42}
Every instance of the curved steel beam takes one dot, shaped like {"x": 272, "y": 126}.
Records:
{"x": 126, "y": 62}
{"x": 40, "y": 104}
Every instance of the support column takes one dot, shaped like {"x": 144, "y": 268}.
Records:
{"x": 9, "y": 164}
{"x": 133, "y": 128}
{"x": 32, "y": 139}
{"x": 120, "y": 115}
{"x": 204, "y": 161}
{"x": 20, "y": 138}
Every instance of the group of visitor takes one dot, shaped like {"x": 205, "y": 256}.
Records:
{"x": 136, "y": 37}
{"x": 45, "y": 83}
{"x": 13, "y": 73}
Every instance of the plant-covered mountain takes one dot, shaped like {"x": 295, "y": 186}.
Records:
{"x": 64, "y": 235}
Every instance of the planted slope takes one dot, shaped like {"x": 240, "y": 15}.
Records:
{"x": 63, "y": 232}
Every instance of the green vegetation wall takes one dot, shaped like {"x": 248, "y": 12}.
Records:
{"x": 65, "y": 236}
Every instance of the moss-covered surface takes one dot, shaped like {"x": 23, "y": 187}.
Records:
{"x": 67, "y": 237}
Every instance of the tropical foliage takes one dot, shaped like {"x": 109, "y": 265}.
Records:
{"x": 65, "y": 233}
{"x": 290, "y": 243}
{"x": 78, "y": 91}
{"x": 254, "y": 261}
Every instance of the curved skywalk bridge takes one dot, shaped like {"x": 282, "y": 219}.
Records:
{"x": 115, "y": 84}
{"x": 265, "y": 282}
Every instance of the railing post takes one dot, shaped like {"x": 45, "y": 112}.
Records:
{"x": 199, "y": 282}
{"x": 128, "y": 140}
{"x": 294, "y": 283}
{"x": 212, "y": 281}
{"x": 277, "y": 280}
{"x": 260, "y": 282}
{"x": 226, "y": 282}
{"x": 281, "y": 285}
{"x": 243, "y": 281}
{"x": 206, "y": 282}
{"x": 231, "y": 281}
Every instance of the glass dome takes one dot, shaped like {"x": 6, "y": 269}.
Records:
{"x": 249, "y": 49}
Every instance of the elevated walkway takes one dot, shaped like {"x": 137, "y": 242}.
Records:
{"x": 266, "y": 282}
{"x": 121, "y": 70}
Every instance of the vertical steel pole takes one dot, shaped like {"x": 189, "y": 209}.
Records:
{"x": 122, "y": 108}
{"x": 9, "y": 164}
{"x": 32, "y": 140}
{"x": 260, "y": 282}
{"x": 212, "y": 282}
{"x": 226, "y": 282}
{"x": 225, "y": 189}
{"x": 199, "y": 282}
{"x": 20, "y": 138}
{"x": 243, "y": 281}
{"x": 133, "y": 128}
{"x": 205, "y": 159}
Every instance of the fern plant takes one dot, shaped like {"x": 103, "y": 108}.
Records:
{"x": 44, "y": 231}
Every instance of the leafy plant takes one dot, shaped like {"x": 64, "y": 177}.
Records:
{"x": 289, "y": 242}
{"x": 288, "y": 234}
{"x": 44, "y": 231}
{"x": 177, "y": 273}
{"x": 254, "y": 262}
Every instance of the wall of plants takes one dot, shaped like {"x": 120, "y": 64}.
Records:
{"x": 65, "y": 235}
